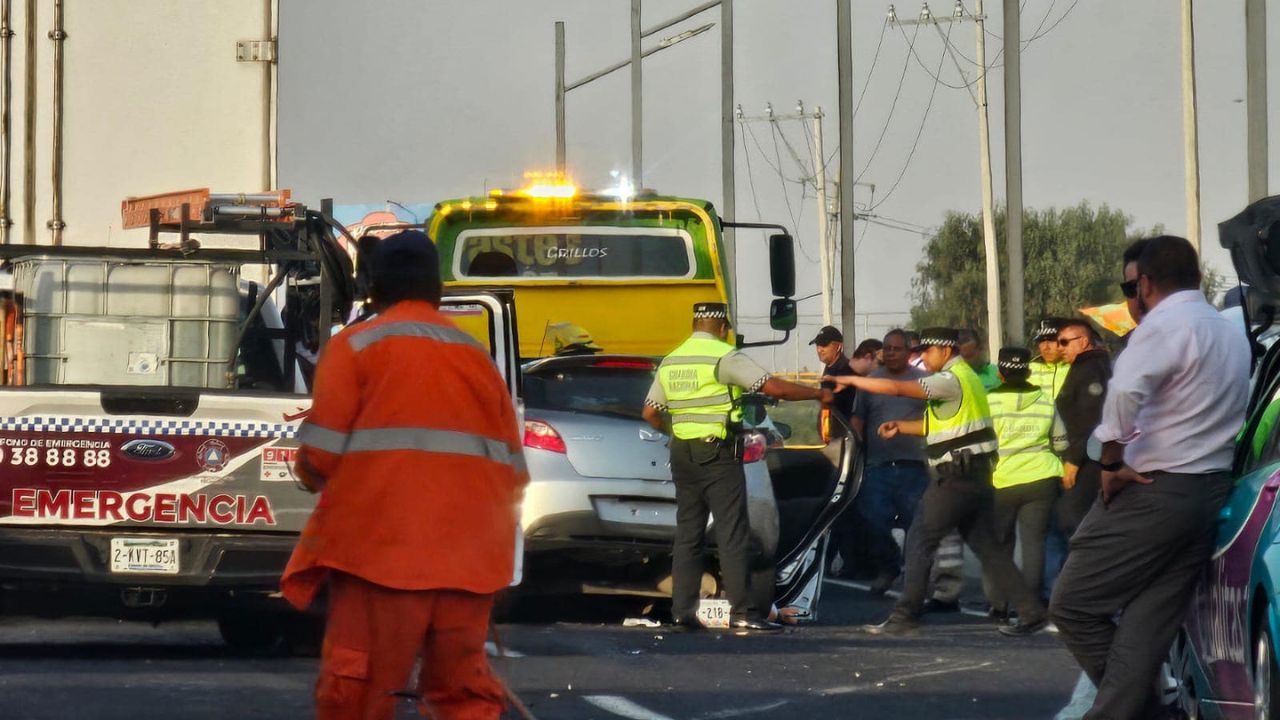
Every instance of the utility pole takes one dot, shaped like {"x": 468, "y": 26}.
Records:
{"x": 729, "y": 197}
{"x": 1013, "y": 169}
{"x": 560, "y": 128}
{"x": 826, "y": 244}
{"x": 637, "y": 99}
{"x": 824, "y": 249}
{"x": 844, "y": 75}
{"x": 1255, "y": 55}
{"x": 1190, "y": 140}
{"x": 995, "y": 333}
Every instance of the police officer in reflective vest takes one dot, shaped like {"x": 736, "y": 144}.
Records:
{"x": 698, "y": 386}
{"x": 1028, "y": 474}
{"x": 960, "y": 443}
{"x": 1049, "y": 371}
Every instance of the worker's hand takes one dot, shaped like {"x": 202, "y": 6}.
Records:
{"x": 1069, "y": 475}
{"x": 827, "y": 397}
{"x": 841, "y": 380}
{"x": 1114, "y": 482}
{"x": 889, "y": 429}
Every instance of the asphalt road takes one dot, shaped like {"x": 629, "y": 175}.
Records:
{"x": 957, "y": 667}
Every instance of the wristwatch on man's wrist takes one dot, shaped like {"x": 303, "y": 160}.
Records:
{"x": 1093, "y": 450}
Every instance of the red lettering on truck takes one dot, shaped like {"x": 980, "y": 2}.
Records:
{"x": 169, "y": 508}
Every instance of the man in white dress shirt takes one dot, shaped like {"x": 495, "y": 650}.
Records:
{"x": 1173, "y": 408}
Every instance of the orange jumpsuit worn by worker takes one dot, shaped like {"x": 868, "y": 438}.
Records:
{"x": 412, "y": 436}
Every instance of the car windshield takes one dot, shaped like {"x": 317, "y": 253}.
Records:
{"x": 605, "y": 388}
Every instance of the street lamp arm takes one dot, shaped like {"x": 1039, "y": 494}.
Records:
{"x": 679, "y": 18}
{"x": 663, "y": 45}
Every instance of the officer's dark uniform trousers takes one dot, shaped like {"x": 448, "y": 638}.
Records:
{"x": 961, "y": 496}
{"x": 709, "y": 479}
{"x": 1122, "y": 561}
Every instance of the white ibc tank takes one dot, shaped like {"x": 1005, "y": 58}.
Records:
{"x": 109, "y": 322}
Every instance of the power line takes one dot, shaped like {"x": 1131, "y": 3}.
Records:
{"x": 906, "y": 65}
{"x": 795, "y": 222}
{"x": 751, "y": 178}
{"x": 875, "y": 59}
{"x": 935, "y": 74}
{"x": 1055, "y": 24}
{"x": 919, "y": 132}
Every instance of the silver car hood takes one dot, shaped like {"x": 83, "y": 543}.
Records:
{"x": 605, "y": 446}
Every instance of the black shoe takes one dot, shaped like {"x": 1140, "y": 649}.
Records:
{"x": 999, "y": 616}
{"x": 753, "y": 625}
{"x": 689, "y": 625}
{"x": 934, "y": 605}
{"x": 898, "y": 623}
{"x": 882, "y": 583}
{"x": 1023, "y": 629}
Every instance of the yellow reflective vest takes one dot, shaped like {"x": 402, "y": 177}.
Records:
{"x": 1024, "y": 424}
{"x": 700, "y": 406}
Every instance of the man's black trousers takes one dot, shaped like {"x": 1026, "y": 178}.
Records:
{"x": 709, "y": 479}
{"x": 1138, "y": 555}
{"x": 961, "y": 497}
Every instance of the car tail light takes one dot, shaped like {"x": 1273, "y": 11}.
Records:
{"x": 542, "y": 436}
{"x": 753, "y": 447}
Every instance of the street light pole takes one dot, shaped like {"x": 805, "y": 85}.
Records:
{"x": 729, "y": 198}
{"x": 637, "y": 98}
{"x": 636, "y": 106}
{"x": 1013, "y": 168}
{"x": 1255, "y": 54}
{"x": 1190, "y": 129}
{"x": 560, "y": 127}
{"x": 844, "y": 75}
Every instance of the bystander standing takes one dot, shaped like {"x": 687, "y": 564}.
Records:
{"x": 895, "y": 474}
{"x": 1165, "y": 447}
{"x": 1080, "y": 404}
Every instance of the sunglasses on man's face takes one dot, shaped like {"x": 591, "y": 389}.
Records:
{"x": 1129, "y": 288}
{"x": 1063, "y": 342}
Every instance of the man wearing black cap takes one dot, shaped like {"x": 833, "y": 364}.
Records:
{"x": 698, "y": 386}
{"x": 1027, "y": 475}
{"x": 829, "y": 344}
{"x": 960, "y": 442}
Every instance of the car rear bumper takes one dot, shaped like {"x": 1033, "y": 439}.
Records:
{"x": 244, "y": 562}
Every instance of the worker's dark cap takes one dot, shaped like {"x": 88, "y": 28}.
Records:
{"x": 710, "y": 311}
{"x": 826, "y": 336}
{"x": 407, "y": 253}
{"x": 936, "y": 336}
{"x": 1014, "y": 361}
{"x": 1048, "y": 329}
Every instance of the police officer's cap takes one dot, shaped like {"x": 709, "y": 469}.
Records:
{"x": 937, "y": 337}
{"x": 1048, "y": 329}
{"x": 407, "y": 253}
{"x": 1014, "y": 361}
{"x": 827, "y": 335}
{"x": 710, "y": 311}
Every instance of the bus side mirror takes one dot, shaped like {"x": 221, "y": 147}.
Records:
{"x": 782, "y": 267}
{"x": 782, "y": 314}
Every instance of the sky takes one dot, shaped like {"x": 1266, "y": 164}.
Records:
{"x": 417, "y": 101}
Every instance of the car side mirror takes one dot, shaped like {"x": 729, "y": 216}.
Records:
{"x": 782, "y": 266}
{"x": 782, "y": 314}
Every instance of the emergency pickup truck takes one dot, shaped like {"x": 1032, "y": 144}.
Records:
{"x": 149, "y": 407}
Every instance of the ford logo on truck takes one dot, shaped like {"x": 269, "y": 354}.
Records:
{"x": 148, "y": 450}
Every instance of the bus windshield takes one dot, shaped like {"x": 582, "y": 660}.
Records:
{"x": 574, "y": 252}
